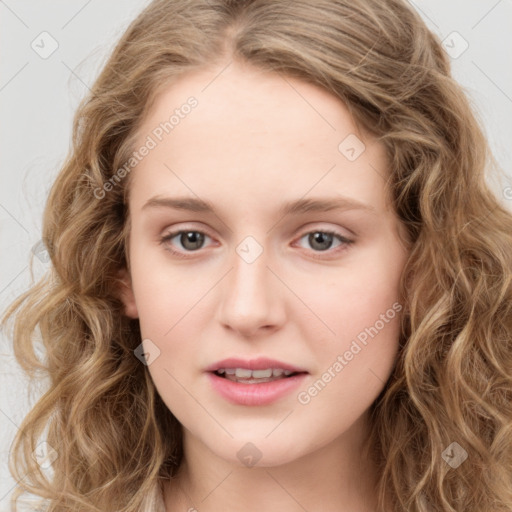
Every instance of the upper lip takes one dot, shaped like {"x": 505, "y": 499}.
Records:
{"x": 261, "y": 363}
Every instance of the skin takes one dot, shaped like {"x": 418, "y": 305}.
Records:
{"x": 254, "y": 141}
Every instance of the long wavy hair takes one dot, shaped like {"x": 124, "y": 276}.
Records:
{"x": 114, "y": 438}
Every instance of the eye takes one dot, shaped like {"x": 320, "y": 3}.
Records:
{"x": 190, "y": 240}
{"x": 193, "y": 240}
{"x": 322, "y": 241}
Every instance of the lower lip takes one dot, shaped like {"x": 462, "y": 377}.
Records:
{"x": 254, "y": 394}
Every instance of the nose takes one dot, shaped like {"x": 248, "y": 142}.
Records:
{"x": 251, "y": 297}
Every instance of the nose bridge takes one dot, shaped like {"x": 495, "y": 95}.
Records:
{"x": 249, "y": 295}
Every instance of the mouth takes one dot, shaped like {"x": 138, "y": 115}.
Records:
{"x": 246, "y": 376}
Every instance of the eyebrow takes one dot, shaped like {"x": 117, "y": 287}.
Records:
{"x": 291, "y": 207}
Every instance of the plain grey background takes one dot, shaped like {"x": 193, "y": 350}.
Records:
{"x": 52, "y": 52}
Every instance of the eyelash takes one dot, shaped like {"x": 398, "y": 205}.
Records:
{"x": 345, "y": 242}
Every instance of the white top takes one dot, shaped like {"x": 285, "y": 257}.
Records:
{"x": 154, "y": 501}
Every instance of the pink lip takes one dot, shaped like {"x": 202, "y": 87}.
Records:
{"x": 254, "y": 394}
{"x": 261, "y": 363}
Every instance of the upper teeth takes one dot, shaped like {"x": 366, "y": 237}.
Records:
{"x": 256, "y": 374}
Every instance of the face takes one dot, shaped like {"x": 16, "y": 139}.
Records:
{"x": 267, "y": 272}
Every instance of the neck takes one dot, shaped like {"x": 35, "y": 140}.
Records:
{"x": 330, "y": 478}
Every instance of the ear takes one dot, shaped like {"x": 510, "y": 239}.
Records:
{"x": 126, "y": 294}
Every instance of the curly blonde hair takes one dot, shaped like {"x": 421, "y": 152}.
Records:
{"x": 115, "y": 438}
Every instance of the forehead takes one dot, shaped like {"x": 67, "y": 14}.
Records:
{"x": 253, "y": 132}
{"x": 252, "y": 101}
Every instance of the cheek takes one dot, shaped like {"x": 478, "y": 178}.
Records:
{"x": 169, "y": 303}
{"x": 353, "y": 300}
{"x": 353, "y": 366}
{"x": 164, "y": 295}
{"x": 360, "y": 316}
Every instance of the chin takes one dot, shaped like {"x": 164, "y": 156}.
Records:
{"x": 257, "y": 451}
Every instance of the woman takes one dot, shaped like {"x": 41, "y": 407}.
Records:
{"x": 337, "y": 335}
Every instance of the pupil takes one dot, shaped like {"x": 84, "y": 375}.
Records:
{"x": 192, "y": 237}
{"x": 321, "y": 238}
